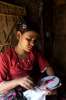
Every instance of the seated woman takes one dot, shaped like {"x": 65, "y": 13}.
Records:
{"x": 16, "y": 64}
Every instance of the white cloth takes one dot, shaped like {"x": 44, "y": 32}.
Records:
{"x": 35, "y": 94}
{"x": 39, "y": 92}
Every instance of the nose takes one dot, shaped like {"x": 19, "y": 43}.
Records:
{"x": 32, "y": 43}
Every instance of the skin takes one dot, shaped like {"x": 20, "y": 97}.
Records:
{"x": 25, "y": 44}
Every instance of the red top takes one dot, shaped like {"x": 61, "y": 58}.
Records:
{"x": 12, "y": 66}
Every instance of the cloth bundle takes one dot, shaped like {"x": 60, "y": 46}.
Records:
{"x": 45, "y": 85}
{"x": 39, "y": 92}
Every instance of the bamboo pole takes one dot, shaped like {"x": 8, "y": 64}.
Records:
{"x": 11, "y": 5}
{"x": 6, "y": 44}
{"x": 2, "y": 14}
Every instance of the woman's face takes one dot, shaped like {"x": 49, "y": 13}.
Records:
{"x": 27, "y": 40}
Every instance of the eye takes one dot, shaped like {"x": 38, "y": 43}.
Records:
{"x": 28, "y": 39}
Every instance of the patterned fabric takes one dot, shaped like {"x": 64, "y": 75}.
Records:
{"x": 13, "y": 95}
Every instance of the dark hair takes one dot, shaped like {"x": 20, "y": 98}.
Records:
{"x": 24, "y": 24}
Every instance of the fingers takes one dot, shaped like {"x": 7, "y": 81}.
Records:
{"x": 26, "y": 82}
{"x": 27, "y": 85}
{"x": 29, "y": 81}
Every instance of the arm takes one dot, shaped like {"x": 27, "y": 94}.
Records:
{"x": 25, "y": 82}
{"x": 7, "y": 84}
{"x": 45, "y": 66}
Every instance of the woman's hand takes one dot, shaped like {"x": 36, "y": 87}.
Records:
{"x": 25, "y": 82}
{"x": 8, "y": 85}
{"x": 49, "y": 70}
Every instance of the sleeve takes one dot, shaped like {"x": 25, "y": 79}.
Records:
{"x": 42, "y": 63}
{"x": 3, "y": 67}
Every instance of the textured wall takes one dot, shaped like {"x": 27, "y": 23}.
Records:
{"x": 9, "y": 15}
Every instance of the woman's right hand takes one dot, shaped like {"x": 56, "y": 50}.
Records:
{"x": 25, "y": 82}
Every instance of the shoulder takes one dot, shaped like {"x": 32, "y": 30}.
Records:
{"x": 6, "y": 54}
{"x": 9, "y": 50}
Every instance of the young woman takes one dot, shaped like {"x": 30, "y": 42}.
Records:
{"x": 16, "y": 64}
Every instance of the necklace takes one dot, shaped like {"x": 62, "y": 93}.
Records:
{"x": 21, "y": 55}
